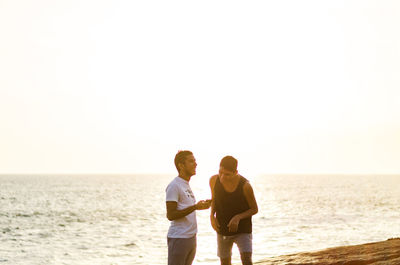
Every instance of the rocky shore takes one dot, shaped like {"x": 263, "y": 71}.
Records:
{"x": 377, "y": 253}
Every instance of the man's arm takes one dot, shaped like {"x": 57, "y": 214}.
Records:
{"x": 251, "y": 200}
{"x": 213, "y": 219}
{"x": 173, "y": 213}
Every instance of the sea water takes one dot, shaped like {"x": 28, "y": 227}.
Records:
{"x": 109, "y": 219}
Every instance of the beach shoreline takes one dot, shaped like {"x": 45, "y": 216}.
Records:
{"x": 376, "y": 253}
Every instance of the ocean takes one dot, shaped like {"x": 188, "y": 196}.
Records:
{"x": 114, "y": 219}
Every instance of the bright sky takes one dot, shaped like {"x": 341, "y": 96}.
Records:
{"x": 118, "y": 86}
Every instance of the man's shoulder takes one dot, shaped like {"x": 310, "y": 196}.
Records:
{"x": 213, "y": 180}
{"x": 214, "y": 177}
{"x": 245, "y": 180}
{"x": 247, "y": 186}
{"x": 174, "y": 183}
{"x": 173, "y": 190}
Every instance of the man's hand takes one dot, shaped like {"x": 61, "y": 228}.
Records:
{"x": 234, "y": 223}
{"x": 203, "y": 204}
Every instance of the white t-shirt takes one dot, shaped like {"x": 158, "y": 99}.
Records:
{"x": 179, "y": 191}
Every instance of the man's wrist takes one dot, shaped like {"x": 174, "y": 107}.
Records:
{"x": 239, "y": 216}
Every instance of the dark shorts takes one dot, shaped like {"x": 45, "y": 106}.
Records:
{"x": 225, "y": 243}
{"x": 181, "y": 251}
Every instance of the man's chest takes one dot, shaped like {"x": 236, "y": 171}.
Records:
{"x": 186, "y": 196}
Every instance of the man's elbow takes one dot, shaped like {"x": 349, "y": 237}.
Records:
{"x": 255, "y": 210}
{"x": 171, "y": 216}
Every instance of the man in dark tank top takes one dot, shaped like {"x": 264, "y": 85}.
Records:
{"x": 233, "y": 205}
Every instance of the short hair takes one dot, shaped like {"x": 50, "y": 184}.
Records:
{"x": 180, "y": 157}
{"x": 229, "y": 163}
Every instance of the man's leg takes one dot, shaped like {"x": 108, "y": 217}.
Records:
{"x": 181, "y": 251}
{"x": 244, "y": 243}
{"x": 246, "y": 258}
{"x": 192, "y": 251}
{"x": 225, "y": 244}
{"x": 226, "y": 261}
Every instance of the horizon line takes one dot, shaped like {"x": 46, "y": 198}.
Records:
{"x": 165, "y": 174}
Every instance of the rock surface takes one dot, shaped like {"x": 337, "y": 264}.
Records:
{"x": 377, "y": 253}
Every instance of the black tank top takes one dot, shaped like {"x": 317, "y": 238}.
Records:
{"x": 229, "y": 204}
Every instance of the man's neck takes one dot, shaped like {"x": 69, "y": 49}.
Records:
{"x": 231, "y": 179}
{"x": 185, "y": 177}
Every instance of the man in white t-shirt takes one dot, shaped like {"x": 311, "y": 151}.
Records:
{"x": 181, "y": 206}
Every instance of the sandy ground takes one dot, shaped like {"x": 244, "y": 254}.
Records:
{"x": 377, "y": 253}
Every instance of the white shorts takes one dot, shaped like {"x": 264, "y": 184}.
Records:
{"x": 225, "y": 243}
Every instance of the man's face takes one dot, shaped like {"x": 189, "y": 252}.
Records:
{"x": 189, "y": 166}
{"x": 224, "y": 173}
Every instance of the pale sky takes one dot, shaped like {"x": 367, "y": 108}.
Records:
{"x": 119, "y": 86}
